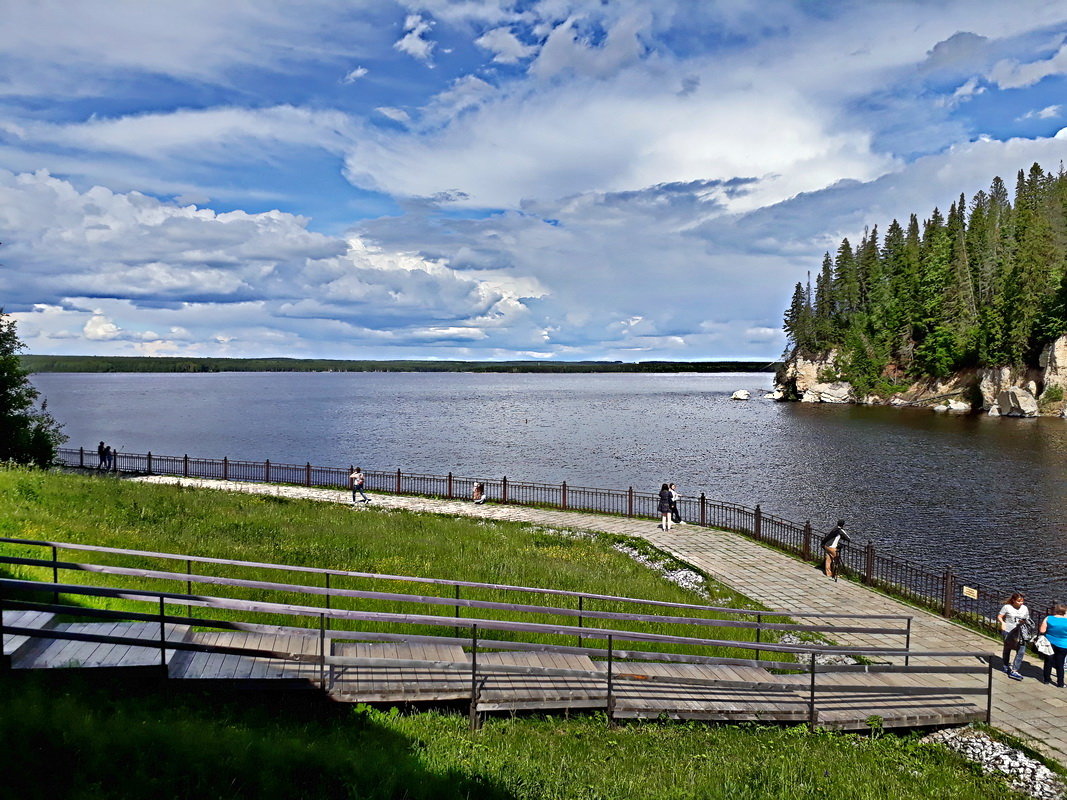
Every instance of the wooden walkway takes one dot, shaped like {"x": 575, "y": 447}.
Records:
{"x": 501, "y": 681}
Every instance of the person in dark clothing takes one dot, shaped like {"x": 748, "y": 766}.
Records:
{"x": 831, "y": 543}
{"x": 665, "y": 507}
{"x": 101, "y": 454}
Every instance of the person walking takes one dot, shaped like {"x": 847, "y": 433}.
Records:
{"x": 1011, "y": 618}
{"x": 358, "y": 479}
{"x": 665, "y": 507}
{"x": 676, "y": 516}
{"x": 1054, "y": 628}
{"x": 831, "y": 543}
{"x": 101, "y": 456}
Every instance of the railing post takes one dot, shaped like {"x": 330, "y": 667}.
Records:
{"x": 805, "y": 545}
{"x": 564, "y": 496}
{"x": 185, "y": 466}
{"x": 950, "y": 589}
{"x": 474, "y": 678}
{"x": 759, "y": 630}
{"x": 322, "y": 652}
{"x": 225, "y": 468}
{"x": 450, "y": 495}
{"x": 812, "y": 714}
{"x": 55, "y": 573}
{"x": 329, "y": 622}
{"x": 81, "y": 456}
{"x": 757, "y": 523}
{"x": 989, "y": 694}
{"x": 188, "y": 571}
{"x": 5, "y": 663}
{"x": 630, "y": 502}
{"x": 162, "y": 636}
{"x": 611, "y": 695}
{"x": 307, "y": 474}
{"x": 457, "y": 607}
{"x": 266, "y": 471}
{"x": 504, "y": 489}
{"x": 868, "y": 576}
{"x": 907, "y": 644}
{"x": 581, "y": 622}
{"x": 703, "y": 510}
{"x": 148, "y": 467}
{"x": 398, "y": 481}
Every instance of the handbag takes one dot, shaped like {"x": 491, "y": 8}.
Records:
{"x": 1043, "y": 645}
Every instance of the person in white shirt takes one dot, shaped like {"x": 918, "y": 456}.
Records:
{"x": 830, "y": 544}
{"x": 1011, "y": 614}
{"x": 358, "y": 479}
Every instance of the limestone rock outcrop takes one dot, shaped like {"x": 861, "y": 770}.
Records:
{"x": 1053, "y": 361}
{"x": 741, "y": 394}
{"x": 803, "y": 379}
{"x": 1016, "y": 401}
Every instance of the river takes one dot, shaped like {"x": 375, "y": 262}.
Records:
{"x": 984, "y": 495}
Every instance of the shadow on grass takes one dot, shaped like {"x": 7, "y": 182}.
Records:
{"x": 66, "y": 734}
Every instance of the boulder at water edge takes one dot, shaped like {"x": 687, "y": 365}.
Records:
{"x": 740, "y": 394}
{"x": 1016, "y": 402}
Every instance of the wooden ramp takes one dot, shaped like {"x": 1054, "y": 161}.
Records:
{"x": 228, "y": 666}
{"x": 64, "y": 653}
{"x": 38, "y": 620}
{"x": 392, "y": 683}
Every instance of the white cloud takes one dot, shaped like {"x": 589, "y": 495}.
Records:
{"x": 1048, "y": 112}
{"x": 412, "y": 42}
{"x": 505, "y": 46}
{"x": 1015, "y": 74}
{"x": 355, "y": 75}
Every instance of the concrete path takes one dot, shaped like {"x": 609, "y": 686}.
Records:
{"x": 1029, "y": 710}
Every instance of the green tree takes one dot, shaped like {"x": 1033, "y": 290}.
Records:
{"x": 28, "y": 435}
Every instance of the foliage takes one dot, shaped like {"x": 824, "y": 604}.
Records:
{"x": 28, "y": 434}
{"x": 43, "y": 363}
{"x": 985, "y": 285}
{"x": 136, "y": 741}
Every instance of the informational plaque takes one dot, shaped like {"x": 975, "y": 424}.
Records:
{"x": 971, "y": 592}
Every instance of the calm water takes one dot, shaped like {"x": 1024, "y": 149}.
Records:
{"x": 985, "y": 495}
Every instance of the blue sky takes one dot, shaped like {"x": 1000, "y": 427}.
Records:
{"x": 484, "y": 179}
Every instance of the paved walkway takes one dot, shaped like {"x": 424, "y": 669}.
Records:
{"x": 1029, "y": 710}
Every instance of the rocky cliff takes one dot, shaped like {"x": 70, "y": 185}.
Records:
{"x": 997, "y": 391}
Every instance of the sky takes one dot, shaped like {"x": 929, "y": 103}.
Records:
{"x": 486, "y": 179}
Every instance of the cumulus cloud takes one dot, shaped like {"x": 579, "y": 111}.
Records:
{"x": 1048, "y": 112}
{"x": 412, "y": 42}
{"x": 1016, "y": 74}
{"x": 355, "y": 75}
{"x": 505, "y": 46}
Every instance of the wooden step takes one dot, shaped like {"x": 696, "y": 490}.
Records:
{"x": 71, "y": 653}
{"x": 16, "y": 643}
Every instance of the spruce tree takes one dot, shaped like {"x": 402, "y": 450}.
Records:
{"x": 28, "y": 435}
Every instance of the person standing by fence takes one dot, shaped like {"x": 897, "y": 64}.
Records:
{"x": 358, "y": 479}
{"x": 1011, "y": 618}
{"x": 831, "y": 543}
{"x": 478, "y": 493}
{"x": 101, "y": 454}
{"x": 665, "y": 507}
{"x": 1054, "y": 628}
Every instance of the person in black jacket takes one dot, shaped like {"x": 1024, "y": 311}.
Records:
{"x": 665, "y": 507}
{"x": 831, "y": 543}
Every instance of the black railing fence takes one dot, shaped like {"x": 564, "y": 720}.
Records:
{"x": 950, "y": 595}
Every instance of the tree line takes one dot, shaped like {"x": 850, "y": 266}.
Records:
{"x": 982, "y": 286}
{"x": 45, "y": 363}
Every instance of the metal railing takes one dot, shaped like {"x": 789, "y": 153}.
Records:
{"x": 945, "y": 592}
{"x": 492, "y": 625}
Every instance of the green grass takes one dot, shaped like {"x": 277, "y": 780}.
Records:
{"x": 72, "y": 739}
{"x": 103, "y": 510}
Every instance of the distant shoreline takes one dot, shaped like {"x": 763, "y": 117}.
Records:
{"x": 43, "y": 363}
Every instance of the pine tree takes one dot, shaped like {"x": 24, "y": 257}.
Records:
{"x": 27, "y": 435}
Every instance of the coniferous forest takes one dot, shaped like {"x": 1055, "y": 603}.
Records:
{"x": 983, "y": 285}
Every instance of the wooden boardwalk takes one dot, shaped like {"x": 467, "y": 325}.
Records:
{"x": 501, "y": 681}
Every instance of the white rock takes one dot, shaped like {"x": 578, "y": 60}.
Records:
{"x": 1054, "y": 361}
{"x": 1017, "y": 402}
{"x": 994, "y": 411}
{"x": 941, "y": 407}
{"x": 959, "y": 407}
{"x": 740, "y": 394}
{"x": 777, "y": 394}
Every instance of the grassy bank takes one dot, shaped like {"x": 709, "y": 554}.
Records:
{"x": 86, "y": 741}
{"x": 103, "y": 510}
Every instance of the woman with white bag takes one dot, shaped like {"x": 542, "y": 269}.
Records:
{"x": 1054, "y": 629}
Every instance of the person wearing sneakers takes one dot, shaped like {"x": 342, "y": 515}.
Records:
{"x": 358, "y": 479}
{"x": 665, "y": 507}
{"x": 1011, "y": 615}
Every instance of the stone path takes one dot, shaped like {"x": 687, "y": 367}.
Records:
{"x": 1029, "y": 710}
